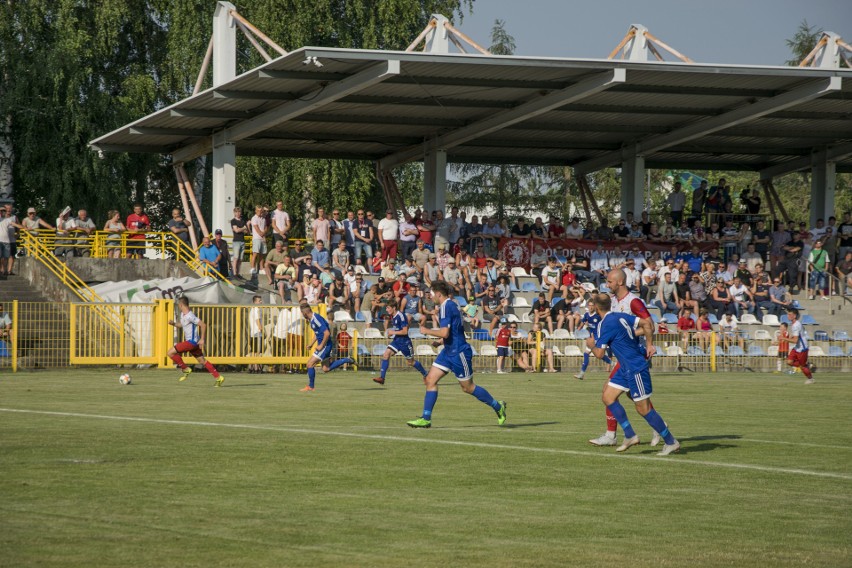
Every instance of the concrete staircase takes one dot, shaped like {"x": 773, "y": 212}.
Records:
{"x": 43, "y": 326}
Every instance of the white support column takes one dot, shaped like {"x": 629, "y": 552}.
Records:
{"x": 637, "y": 47}
{"x": 435, "y": 180}
{"x": 438, "y": 40}
{"x": 823, "y": 182}
{"x": 632, "y": 185}
{"x": 224, "y": 155}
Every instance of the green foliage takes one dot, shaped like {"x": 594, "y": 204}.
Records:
{"x": 802, "y": 42}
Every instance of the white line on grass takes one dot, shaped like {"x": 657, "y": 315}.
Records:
{"x": 768, "y": 469}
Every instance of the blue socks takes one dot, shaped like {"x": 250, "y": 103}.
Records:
{"x": 338, "y": 363}
{"x": 607, "y": 360}
{"x": 585, "y": 362}
{"x": 312, "y": 375}
{"x": 429, "y": 403}
{"x": 621, "y": 416}
{"x": 485, "y": 397}
{"x": 419, "y": 367}
{"x": 385, "y": 365}
{"x": 657, "y": 423}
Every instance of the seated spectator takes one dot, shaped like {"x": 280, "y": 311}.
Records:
{"x": 843, "y": 270}
{"x": 313, "y": 292}
{"x": 320, "y": 256}
{"x": 432, "y": 272}
{"x": 338, "y": 295}
{"x": 667, "y": 298}
{"x": 297, "y": 252}
{"x": 410, "y": 302}
{"x": 729, "y": 331}
{"x": 703, "y": 330}
{"x": 530, "y": 356}
{"x": 721, "y": 301}
{"x": 285, "y": 279}
{"x": 340, "y": 258}
{"x": 685, "y": 326}
{"x": 275, "y": 257}
{"x": 8, "y": 224}
{"x": 209, "y": 255}
{"x": 538, "y": 260}
{"x": 493, "y": 308}
{"x": 697, "y": 293}
{"x": 224, "y": 253}
{"x": 454, "y": 278}
{"x": 743, "y": 299}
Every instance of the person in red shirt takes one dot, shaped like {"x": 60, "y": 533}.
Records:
{"x": 137, "y": 225}
{"x": 555, "y": 228}
{"x": 783, "y": 340}
{"x": 686, "y": 326}
{"x": 504, "y": 335}
{"x": 342, "y": 340}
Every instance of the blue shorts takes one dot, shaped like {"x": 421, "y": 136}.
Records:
{"x": 638, "y": 385}
{"x": 403, "y": 346}
{"x": 325, "y": 353}
{"x": 503, "y": 352}
{"x": 461, "y": 364}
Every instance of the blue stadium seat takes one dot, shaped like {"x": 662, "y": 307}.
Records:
{"x": 849, "y": 351}
{"x": 840, "y": 335}
{"x": 712, "y": 319}
{"x": 695, "y": 351}
{"x": 719, "y": 351}
{"x": 514, "y": 288}
{"x": 378, "y": 350}
{"x": 785, "y": 319}
{"x": 670, "y": 318}
{"x": 736, "y": 351}
{"x": 582, "y": 334}
{"x": 835, "y": 351}
{"x": 756, "y": 351}
{"x": 479, "y": 335}
{"x": 359, "y": 316}
{"x": 820, "y": 335}
{"x": 461, "y": 301}
{"x": 529, "y": 287}
{"x": 363, "y": 351}
{"x": 655, "y": 318}
{"x": 808, "y": 320}
{"x": 415, "y": 334}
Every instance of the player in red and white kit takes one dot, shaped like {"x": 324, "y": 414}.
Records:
{"x": 625, "y": 302}
{"x": 798, "y": 357}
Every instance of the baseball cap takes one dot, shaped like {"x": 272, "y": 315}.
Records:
{"x": 381, "y": 279}
{"x": 218, "y": 232}
{"x": 451, "y": 261}
{"x": 742, "y": 261}
{"x": 504, "y": 320}
{"x": 432, "y": 255}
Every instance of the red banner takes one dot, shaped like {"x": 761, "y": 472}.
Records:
{"x": 517, "y": 252}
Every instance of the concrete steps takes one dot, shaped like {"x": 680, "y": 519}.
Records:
{"x": 43, "y": 327}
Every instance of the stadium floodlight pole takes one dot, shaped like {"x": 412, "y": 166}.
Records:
{"x": 705, "y": 127}
{"x": 524, "y": 111}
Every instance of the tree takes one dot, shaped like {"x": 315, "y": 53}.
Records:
{"x": 802, "y": 42}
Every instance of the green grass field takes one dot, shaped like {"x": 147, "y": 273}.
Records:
{"x": 93, "y": 473}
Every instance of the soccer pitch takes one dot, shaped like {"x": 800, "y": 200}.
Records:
{"x": 256, "y": 473}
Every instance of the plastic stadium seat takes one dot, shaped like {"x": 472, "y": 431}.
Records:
{"x": 366, "y": 317}
{"x": 749, "y": 319}
{"x": 525, "y": 318}
{"x": 670, "y": 318}
{"x": 756, "y": 351}
{"x": 512, "y": 318}
{"x": 415, "y": 334}
{"x": 840, "y": 335}
{"x": 424, "y": 350}
{"x": 363, "y": 351}
{"x": 655, "y": 318}
{"x": 488, "y": 351}
{"x": 673, "y": 351}
{"x": 529, "y": 287}
{"x": 772, "y": 351}
{"x": 572, "y": 351}
{"x": 556, "y": 351}
{"x": 849, "y": 351}
{"x": 762, "y": 335}
{"x": 719, "y": 351}
{"x": 816, "y": 351}
{"x": 808, "y": 320}
{"x": 835, "y": 351}
{"x": 519, "y": 271}
{"x": 480, "y": 335}
{"x": 712, "y": 319}
{"x": 589, "y": 287}
{"x": 461, "y": 301}
{"x": 378, "y": 350}
{"x": 372, "y": 333}
{"x": 582, "y": 334}
{"x": 694, "y": 350}
{"x": 342, "y": 315}
{"x": 785, "y": 319}
{"x": 520, "y": 302}
{"x": 820, "y": 335}
{"x": 771, "y": 320}
{"x": 514, "y": 288}
{"x": 560, "y": 334}
{"x": 736, "y": 351}
{"x": 545, "y": 334}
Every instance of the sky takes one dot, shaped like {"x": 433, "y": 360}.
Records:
{"x": 710, "y": 31}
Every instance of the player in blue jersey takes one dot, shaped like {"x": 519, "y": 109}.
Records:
{"x": 618, "y": 332}
{"x": 590, "y": 320}
{"x": 325, "y": 347}
{"x": 398, "y": 329}
{"x": 457, "y": 356}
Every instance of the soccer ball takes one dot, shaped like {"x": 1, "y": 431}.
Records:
{"x": 124, "y": 379}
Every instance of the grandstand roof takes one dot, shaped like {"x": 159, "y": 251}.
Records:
{"x": 394, "y": 106}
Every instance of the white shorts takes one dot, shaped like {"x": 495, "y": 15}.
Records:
{"x": 258, "y": 245}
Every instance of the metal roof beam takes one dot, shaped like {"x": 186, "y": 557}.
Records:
{"x": 205, "y": 113}
{"x": 520, "y": 113}
{"x": 831, "y": 154}
{"x": 153, "y": 131}
{"x": 254, "y": 95}
{"x": 289, "y": 110}
{"x": 134, "y": 148}
{"x": 713, "y": 124}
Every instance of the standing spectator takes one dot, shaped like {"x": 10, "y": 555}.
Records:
{"x": 761, "y": 239}
{"x": 238, "y": 243}
{"x": 8, "y": 223}
{"x": 224, "y": 253}
{"x": 844, "y": 234}
{"x": 280, "y": 223}
{"x": 820, "y": 267}
{"x": 320, "y": 227}
{"x": 751, "y": 201}
{"x": 555, "y": 228}
{"x": 504, "y": 334}
{"x": 792, "y": 255}
{"x": 349, "y": 234}
{"x": 699, "y": 198}
{"x": 137, "y": 225}
{"x": 426, "y": 231}
{"x": 179, "y": 227}
{"x": 64, "y": 245}
{"x": 208, "y": 254}
{"x": 521, "y": 230}
{"x": 114, "y": 227}
{"x": 33, "y": 222}
{"x": 259, "y": 228}
{"x": 13, "y": 236}
{"x": 676, "y": 201}
{"x": 844, "y": 273}
{"x": 84, "y": 227}
{"x": 255, "y": 334}
{"x": 363, "y": 238}
{"x": 574, "y": 230}
{"x": 408, "y": 235}
{"x": 388, "y": 235}
{"x": 538, "y": 230}
{"x": 335, "y": 229}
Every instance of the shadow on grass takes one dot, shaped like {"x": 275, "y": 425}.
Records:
{"x": 227, "y": 386}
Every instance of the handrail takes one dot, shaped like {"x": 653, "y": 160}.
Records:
{"x": 836, "y": 289}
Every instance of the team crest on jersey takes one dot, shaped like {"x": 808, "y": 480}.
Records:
{"x": 516, "y": 252}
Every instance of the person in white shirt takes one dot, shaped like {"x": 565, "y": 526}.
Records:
{"x": 574, "y": 230}
{"x": 638, "y": 258}
{"x": 258, "y": 240}
{"x": 84, "y": 227}
{"x": 617, "y": 259}
{"x": 321, "y": 227}
{"x": 280, "y": 224}
{"x": 728, "y": 330}
{"x": 818, "y": 232}
{"x": 648, "y": 287}
{"x": 676, "y": 201}
{"x": 742, "y": 299}
{"x": 798, "y": 357}
{"x": 255, "y": 334}
{"x": 633, "y": 278}
{"x": 408, "y": 234}
{"x": 388, "y": 235}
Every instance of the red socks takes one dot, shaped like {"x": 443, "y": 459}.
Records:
{"x": 209, "y": 366}
{"x": 178, "y": 360}
{"x": 611, "y": 422}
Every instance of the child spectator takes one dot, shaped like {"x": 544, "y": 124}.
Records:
{"x": 782, "y": 340}
{"x": 343, "y": 343}
{"x": 504, "y": 334}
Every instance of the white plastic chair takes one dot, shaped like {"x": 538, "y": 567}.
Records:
{"x": 520, "y": 302}
{"x": 572, "y": 351}
{"x": 749, "y": 319}
{"x": 560, "y": 334}
{"x": 762, "y": 334}
{"x": 485, "y": 350}
{"x": 674, "y": 351}
{"x": 771, "y": 320}
{"x": 373, "y": 333}
{"x": 525, "y": 318}
{"x": 426, "y": 350}
{"x": 519, "y": 271}
{"x": 342, "y": 316}
{"x": 816, "y": 351}
{"x": 512, "y": 318}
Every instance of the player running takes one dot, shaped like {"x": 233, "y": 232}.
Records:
{"x": 457, "y": 356}
{"x": 618, "y": 332}
{"x": 625, "y": 302}
{"x": 194, "y": 332}
{"x": 401, "y": 343}
{"x": 325, "y": 347}
{"x": 798, "y": 358}
{"x": 590, "y": 320}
